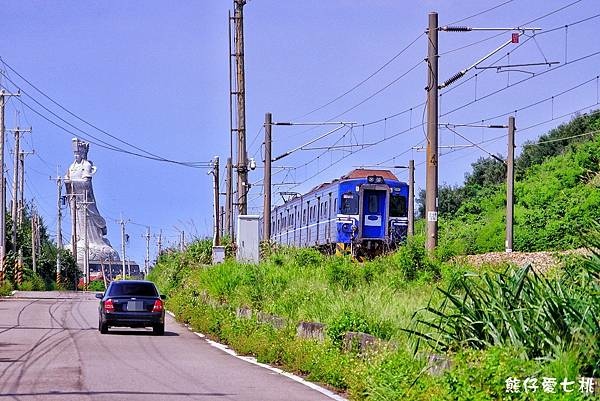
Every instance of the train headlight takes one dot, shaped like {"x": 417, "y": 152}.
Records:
{"x": 379, "y": 180}
{"x": 370, "y": 179}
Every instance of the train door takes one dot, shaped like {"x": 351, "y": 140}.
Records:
{"x": 374, "y": 213}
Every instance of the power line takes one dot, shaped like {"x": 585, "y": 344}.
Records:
{"x": 500, "y": 34}
{"x": 481, "y": 12}
{"x": 364, "y": 80}
{"x": 538, "y": 102}
{"x": 71, "y": 113}
{"x": 98, "y": 142}
{"x": 111, "y": 147}
{"x": 519, "y": 82}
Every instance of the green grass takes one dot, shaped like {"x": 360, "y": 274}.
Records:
{"x": 381, "y": 297}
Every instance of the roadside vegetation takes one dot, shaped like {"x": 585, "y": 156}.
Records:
{"x": 488, "y": 324}
{"x": 556, "y": 195}
{"x": 45, "y": 276}
{"x": 445, "y": 330}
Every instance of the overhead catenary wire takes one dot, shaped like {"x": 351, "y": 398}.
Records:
{"x": 364, "y": 80}
{"x": 110, "y": 147}
{"x": 70, "y": 112}
{"x": 522, "y": 24}
{"x": 95, "y": 140}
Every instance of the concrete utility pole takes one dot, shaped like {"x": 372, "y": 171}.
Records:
{"x": 242, "y": 162}
{"x": 411, "y": 198}
{"x": 122, "y": 222}
{"x": 16, "y": 178}
{"x": 73, "y": 205}
{"x": 3, "y": 95}
{"x": 58, "y": 227}
{"x": 86, "y": 242}
{"x": 267, "y": 179}
{"x": 21, "y": 205}
{"x": 19, "y": 267}
{"x": 182, "y": 241}
{"x": 431, "y": 197}
{"x": 510, "y": 182}
{"x": 229, "y": 191}
{"x": 34, "y": 230}
{"x": 222, "y": 214}
{"x": 215, "y": 172}
{"x": 159, "y": 244}
{"x": 229, "y": 200}
{"x": 147, "y": 260}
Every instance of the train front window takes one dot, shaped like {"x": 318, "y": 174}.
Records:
{"x": 373, "y": 204}
{"x": 398, "y": 206}
{"x": 349, "y": 203}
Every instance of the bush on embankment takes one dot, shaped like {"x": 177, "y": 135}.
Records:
{"x": 378, "y": 297}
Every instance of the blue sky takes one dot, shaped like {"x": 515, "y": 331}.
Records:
{"x": 155, "y": 74}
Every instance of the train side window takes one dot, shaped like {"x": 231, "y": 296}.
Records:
{"x": 373, "y": 204}
{"x": 349, "y": 203}
{"x": 304, "y": 217}
{"x": 398, "y": 206}
{"x": 325, "y": 209}
{"x": 335, "y": 206}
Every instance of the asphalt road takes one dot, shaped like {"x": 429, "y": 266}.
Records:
{"x": 51, "y": 349}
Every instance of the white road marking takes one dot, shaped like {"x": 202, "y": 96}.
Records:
{"x": 253, "y": 361}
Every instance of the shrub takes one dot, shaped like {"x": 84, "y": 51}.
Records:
{"x": 97, "y": 285}
{"x": 6, "y": 288}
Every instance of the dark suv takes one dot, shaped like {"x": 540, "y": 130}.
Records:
{"x": 131, "y": 303}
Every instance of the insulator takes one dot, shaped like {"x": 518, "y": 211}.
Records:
{"x": 454, "y": 78}
{"x": 456, "y": 29}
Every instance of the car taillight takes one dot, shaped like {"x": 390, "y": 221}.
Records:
{"x": 109, "y": 306}
{"x": 158, "y": 306}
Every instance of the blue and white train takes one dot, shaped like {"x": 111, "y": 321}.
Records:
{"x": 364, "y": 211}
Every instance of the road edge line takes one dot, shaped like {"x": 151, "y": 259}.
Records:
{"x": 253, "y": 361}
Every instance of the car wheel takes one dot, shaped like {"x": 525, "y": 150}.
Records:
{"x": 103, "y": 327}
{"x": 158, "y": 329}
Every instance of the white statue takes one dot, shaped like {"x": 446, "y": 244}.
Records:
{"x": 78, "y": 182}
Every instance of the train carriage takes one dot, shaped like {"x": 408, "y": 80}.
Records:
{"x": 365, "y": 210}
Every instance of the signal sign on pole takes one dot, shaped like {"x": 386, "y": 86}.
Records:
{"x": 515, "y": 38}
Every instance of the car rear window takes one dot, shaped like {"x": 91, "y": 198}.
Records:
{"x": 132, "y": 289}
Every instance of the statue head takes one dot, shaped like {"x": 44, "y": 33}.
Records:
{"x": 80, "y": 149}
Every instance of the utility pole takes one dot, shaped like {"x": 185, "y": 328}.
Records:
{"x": 215, "y": 172}
{"x": 182, "y": 241}
{"x": 229, "y": 200}
{"x": 73, "y": 205}
{"x": 147, "y": 261}
{"x": 86, "y": 243}
{"x": 58, "y": 226}
{"x": 15, "y": 210}
{"x": 19, "y": 267}
{"x": 411, "y": 198}
{"x": 122, "y": 247}
{"x": 242, "y": 164}
{"x": 159, "y": 243}
{"x": 34, "y": 241}
{"x": 222, "y": 214}
{"x": 510, "y": 182}
{"x": 229, "y": 191}
{"x": 431, "y": 197}
{"x": 267, "y": 179}
{"x": 3, "y": 95}
{"x": 21, "y": 205}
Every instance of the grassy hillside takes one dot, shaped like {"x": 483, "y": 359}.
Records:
{"x": 556, "y": 195}
{"x": 394, "y": 298}
{"x": 492, "y": 323}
